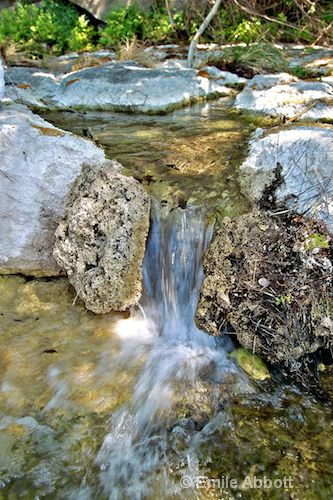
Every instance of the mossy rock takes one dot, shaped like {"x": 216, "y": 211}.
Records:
{"x": 251, "y": 364}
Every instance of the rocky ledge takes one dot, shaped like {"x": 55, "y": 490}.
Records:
{"x": 114, "y": 86}
{"x": 294, "y": 166}
{"x": 283, "y": 95}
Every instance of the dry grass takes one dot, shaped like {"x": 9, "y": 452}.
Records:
{"x": 134, "y": 50}
{"x": 251, "y": 60}
{"x": 14, "y": 56}
{"x": 88, "y": 61}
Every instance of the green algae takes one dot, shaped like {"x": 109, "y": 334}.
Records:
{"x": 282, "y": 435}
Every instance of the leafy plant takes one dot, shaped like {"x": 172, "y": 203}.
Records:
{"x": 316, "y": 240}
{"x": 122, "y": 25}
{"x": 51, "y": 24}
{"x": 247, "y": 31}
{"x": 130, "y": 22}
{"x": 281, "y": 300}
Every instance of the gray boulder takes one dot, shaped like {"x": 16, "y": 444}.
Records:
{"x": 101, "y": 8}
{"x": 39, "y": 163}
{"x": 304, "y": 157}
{"x": 318, "y": 61}
{"x": 101, "y": 240}
{"x": 284, "y": 95}
{"x": 122, "y": 86}
{"x": 30, "y": 86}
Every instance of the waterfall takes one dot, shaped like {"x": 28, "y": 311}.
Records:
{"x": 134, "y": 459}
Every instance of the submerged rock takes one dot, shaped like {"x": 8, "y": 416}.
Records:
{"x": 282, "y": 322}
{"x": 101, "y": 240}
{"x": 39, "y": 163}
{"x": 117, "y": 86}
{"x": 286, "y": 96}
{"x": 250, "y": 363}
{"x": 299, "y": 161}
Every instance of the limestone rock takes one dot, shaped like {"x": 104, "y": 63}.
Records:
{"x": 305, "y": 157}
{"x": 39, "y": 163}
{"x": 114, "y": 86}
{"x": 284, "y": 95}
{"x": 30, "y": 86}
{"x": 223, "y": 77}
{"x": 100, "y": 242}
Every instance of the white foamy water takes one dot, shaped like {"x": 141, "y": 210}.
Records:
{"x": 135, "y": 458}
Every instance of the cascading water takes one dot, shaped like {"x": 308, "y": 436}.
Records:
{"x": 173, "y": 357}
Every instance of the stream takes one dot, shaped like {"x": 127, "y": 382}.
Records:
{"x": 145, "y": 405}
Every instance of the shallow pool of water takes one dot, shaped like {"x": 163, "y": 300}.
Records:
{"x": 187, "y": 157}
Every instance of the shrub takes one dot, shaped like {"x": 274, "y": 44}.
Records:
{"x": 247, "y": 31}
{"x": 129, "y": 23}
{"x": 51, "y": 24}
{"x": 122, "y": 25}
{"x": 134, "y": 50}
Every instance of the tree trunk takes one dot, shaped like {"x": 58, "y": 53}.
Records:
{"x": 168, "y": 8}
{"x": 205, "y": 23}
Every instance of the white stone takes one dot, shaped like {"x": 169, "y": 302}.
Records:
{"x": 305, "y": 155}
{"x": 38, "y": 166}
{"x": 278, "y": 95}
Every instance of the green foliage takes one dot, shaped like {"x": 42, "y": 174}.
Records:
{"x": 299, "y": 71}
{"x": 316, "y": 240}
{"x": 281, "y": 300}
{"x": 50, "y": 24}
{"x": 122, "y": 25}
{"x": 247, "y": 31}
{"x": 55, "y": 26}
{"x": 130, "y": 22}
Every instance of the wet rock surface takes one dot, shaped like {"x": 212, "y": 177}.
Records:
{"x": 39, "y": 163}
{"x": 282, "y": 318}
{"x": 300, "y": 163}
{"x": 101, "y": 240}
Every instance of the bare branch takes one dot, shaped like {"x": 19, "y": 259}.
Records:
{"x": 200, "y": 31}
